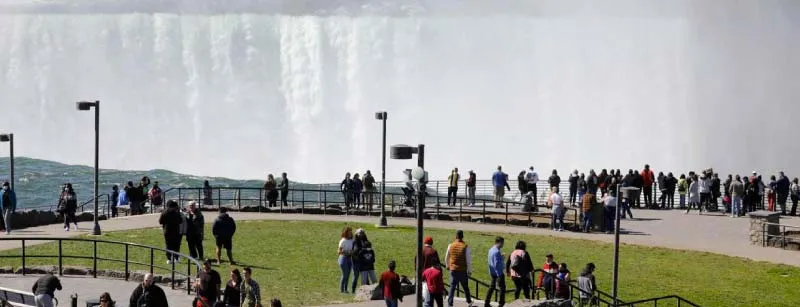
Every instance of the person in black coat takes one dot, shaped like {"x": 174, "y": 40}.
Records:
{"x": 171, "y": 220}
{"x": 223, "y": 229}
{"x": 148, "y": 294}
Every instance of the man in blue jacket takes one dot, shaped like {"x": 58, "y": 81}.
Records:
{"x": 496, "y": 272}
{"x": 8, "y": 204}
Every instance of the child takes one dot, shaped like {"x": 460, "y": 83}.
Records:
{"x": 435, "y": 282}
{"x": 391, "y": 286}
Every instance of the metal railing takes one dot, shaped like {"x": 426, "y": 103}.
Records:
{"x": 334, "y": 202}
{"x": 127, "y": 259}
{"x": 655, "y": 301}
{"x": 772, "y": 232}
{"x": 18, "y": 297}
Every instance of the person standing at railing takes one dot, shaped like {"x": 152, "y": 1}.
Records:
{"x": 207, "y": 191}
{"x": 782, "y": 190}
{"x": 522, "y": 185}
{"x": 591, "y": 182}
{"x": 346, "y": 186}
{"x": 358, "y": 186}
{"x": 556, "y": 202}
{"x": 270, "y": 191}
{"x": 171, "y": 220}
{"x": 497, "y": 273}
{"x": 581, "y": 186}
{"x": 573, "y": 187}
{"x": 284, "y": 187}
{"x": 609, "y": 211}
{"x": 520, "y": 267}
{"x": 554, "y": 180}
{"x": 683, "y": 187}
{"x": 44, "y": 290}
{"x": 471, "y": 180}
{"x": 500, "y": 181}
{"x": 795, "y": 195}
{"x": 647, "y": 181}
{"x": 452, "y": 186}
{"x": 459, "y": 262}
{"x": 736, "y": 192}
{"x": 8, "y": 204}
{"x": 671, "y": 182}
{"x": 532, "y": 178}
{"x": 114, "y": 200}
{"x": 603, "y": 182}
{"x": 155, "y": 196}
{"x": 369, "y": 189}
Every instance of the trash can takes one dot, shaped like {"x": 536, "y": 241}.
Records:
{"x": 92, "y": 302}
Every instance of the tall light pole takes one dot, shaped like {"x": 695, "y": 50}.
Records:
{"x": 10, "y": 139}
{"x": 86, "y": 106}
{"x": 404, "y": 152}
{"x": 382, "y": 117}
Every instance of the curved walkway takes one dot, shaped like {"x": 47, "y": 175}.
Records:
{"x": 713, "y": 233}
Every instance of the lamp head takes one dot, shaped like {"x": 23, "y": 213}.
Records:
{"x": 85, "y": 105}
{"x": 5, "y": 137}
{"x": 380, "y": 115}
{"x": 401, "y": 152}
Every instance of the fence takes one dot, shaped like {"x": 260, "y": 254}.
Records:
{"x": 127, "y": 260}
{"x": 773, "y": 234}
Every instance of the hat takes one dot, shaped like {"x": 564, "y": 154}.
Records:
{"x": 428, "y": 240}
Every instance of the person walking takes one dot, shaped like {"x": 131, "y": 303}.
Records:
{"x": 459, "y": 263}
{"x": 587, "y": 285}
{"x": 452, "y": 186}
{"x": 171, "y": 220}
{"x": 345, "y": 252}
{"x": 391, "y": 286}
{"x": 208, "y": 285}
{"x": 520, "y": 267}
{"x": 223, "y": 229}
{"x": 429, "y": 254}
{"x": 232, "y": 296}
{"x": 68, "y": 205}
{"x": 148, "y": 294}
{"x": 195, "y": 230}
{"x": 8, "y": 204}
{"x": 114, "y": 200}
{"x": 500, "y": 181}
{"x": 497, "y": 273}
{"x": 44, "y": 290}
{"x": 471, "y": 180}
{"x": 434, "y": 283}
{"x": 251, "y": 292}
{"x": 284, "y": 187}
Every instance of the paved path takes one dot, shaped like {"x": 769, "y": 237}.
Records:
{"x": 91, "y": 288}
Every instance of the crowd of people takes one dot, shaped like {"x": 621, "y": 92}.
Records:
{"x": 357, "y": 257}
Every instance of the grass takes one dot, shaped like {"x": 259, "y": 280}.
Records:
{"x": 296, "y": 261}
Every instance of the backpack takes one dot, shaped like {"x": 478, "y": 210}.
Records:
{"x": 155, "y": 195}
{"x": 517, "y": 263}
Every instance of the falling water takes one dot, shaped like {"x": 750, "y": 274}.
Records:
{"x": 264, "y": 87}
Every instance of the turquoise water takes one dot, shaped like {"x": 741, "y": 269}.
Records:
{"x": 38, "y": 181}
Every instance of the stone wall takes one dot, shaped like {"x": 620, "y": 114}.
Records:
{"x": 33, "y": 218}
{"x": 757, "y": 221}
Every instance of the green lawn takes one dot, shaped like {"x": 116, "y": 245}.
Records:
{"x": 296, "y": 261}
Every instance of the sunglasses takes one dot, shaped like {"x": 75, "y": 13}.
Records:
{"x": 104, "y": 301}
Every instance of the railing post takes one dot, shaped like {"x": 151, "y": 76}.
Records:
{"x": 152, "y": 258}
{"x": 507, "y": 204}
{"x": 324, "y": 202}
{"x": 483, "y": 220}
{"x": 94, "y": 258}
{"x": 261, "y": 192}
{"x": 60, "y": 260}
{"x": 219, "y": 198}
{"x": 172, "y": 280}
{"x": 188, "y": 277}
{"x": 303, "y": 201}
{"x": 127, "y": 269}
{"x": 239, "y": 200}
{"x": 281, "y": 208}
{"x": 23, "y": 257}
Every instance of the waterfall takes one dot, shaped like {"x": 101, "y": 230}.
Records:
{"x": 245, "y": 91}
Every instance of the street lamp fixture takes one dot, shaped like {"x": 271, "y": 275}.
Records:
{"x": 10, "y": 139}
{"x": 405, "y": 152}
{"x": 86, "y": 106}
{"x": 382, "y": 117}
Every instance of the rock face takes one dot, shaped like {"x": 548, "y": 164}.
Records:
{"x": 758, "y": 219}
{"x": 374, "y": 292}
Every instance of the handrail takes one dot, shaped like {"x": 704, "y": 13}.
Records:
{"x": 127, "y": 261}
{"x": 767, "y": 228}
{"x": 655, "y": 301}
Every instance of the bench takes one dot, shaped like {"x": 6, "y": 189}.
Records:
{"x": 16, "y": 297}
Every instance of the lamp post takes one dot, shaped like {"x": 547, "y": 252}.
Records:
{"x": 86, "y": 106}
{"x": 405, "y": 152}
{"x": 382, "y": 222}
{"x": 10, "y": 139}
{"x": 628, "y": 193}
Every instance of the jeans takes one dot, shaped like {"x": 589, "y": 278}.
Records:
{"x": 648, "y": 196}
{"x": 451, "y": 194}
{"x": 587, "y": 221}
{"x": 682, "y": 200}
{"x": 610, "y": 212}
{"x": 471, "y": 195}
{"x": 7, "y": 212}
{"x": 284, "y": 201}
{"x": 43, "y": 300}
{"x": 626, "y": 208}
{"x": 500, "y": 283}
{"x": 573, "y": 192}
{"x": 522, "y": 284}
{"x": 557, "y": 220}
{"x": 736, "y": 205}
{"x": 69, "y": 217}
{"x": 368, "y": 277}
{"x": 782, "y": 202}
{"x": 346, "y": 265}
{"x": 457, "y": 278}
{"x": 438, "y": 298}
{"x": 392, "y": 302}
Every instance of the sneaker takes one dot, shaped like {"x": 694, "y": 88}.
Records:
{"x": 66, "y": 228}
{"x": 169, "y": 262}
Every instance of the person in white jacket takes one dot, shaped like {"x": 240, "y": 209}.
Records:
{"x": 694, "y": 196}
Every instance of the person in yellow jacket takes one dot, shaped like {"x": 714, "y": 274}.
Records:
{"x": 459, "y": 261}
{"x": 452, "y": 187}
{"x": 683, "y": 187}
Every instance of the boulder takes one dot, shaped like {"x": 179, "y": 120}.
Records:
{"x": 76, "y": 271}
{"x": 6, "y": 270}
{"x": 368, "y": 293}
